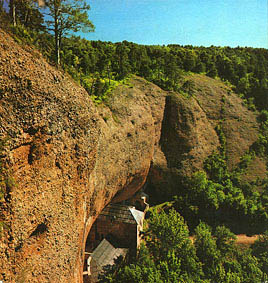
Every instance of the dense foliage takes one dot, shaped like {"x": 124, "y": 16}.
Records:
{"x": 170, "y": 256}
{"x": 243, "y": 67}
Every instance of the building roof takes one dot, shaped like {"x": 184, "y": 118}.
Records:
{"x": 122, "y": 213}
{"x": 104, "y": 256}
{"x": 138, "y": 215}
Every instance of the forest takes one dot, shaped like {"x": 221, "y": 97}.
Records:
{"x": 211, "y": 206}
{"x": 97, "y": 65}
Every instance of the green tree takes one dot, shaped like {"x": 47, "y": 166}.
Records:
{"x": 65, "y": 16}
{"x": 168, "y": 236}
{"x": 28, "y": 14}
{"x": 260, "y": 251}
{"x": 121, "y": 63}
{"x": 24, "y": 12}
{"x": 225, "y": 240}
{"x": 142, "y": 269}
{"x": 206, "y": 250}
{"x": 212, "y": 71}
{"x": 1, "y": 6}
{"x": 12, "y": 12}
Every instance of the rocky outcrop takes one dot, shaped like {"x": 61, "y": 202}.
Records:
{"x": 67, "y": 158}
{"x": 189, "y": 133}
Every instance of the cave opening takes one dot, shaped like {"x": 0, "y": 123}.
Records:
{"x": 114, "y": 235}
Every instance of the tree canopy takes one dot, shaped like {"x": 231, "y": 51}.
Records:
{"x": 65, "y": 16}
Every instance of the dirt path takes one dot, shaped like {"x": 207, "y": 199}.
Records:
{"x": 242, "y": 239}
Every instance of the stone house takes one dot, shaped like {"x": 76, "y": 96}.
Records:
{"x": 102, "y": 259}
{"x": 118, "y": 223}
{"x": 116, "y": 232}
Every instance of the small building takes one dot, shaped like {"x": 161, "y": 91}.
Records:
{"x": 120, "y": 224}
{"x": 102, "y": 259}
{"x": 115, "y": 232}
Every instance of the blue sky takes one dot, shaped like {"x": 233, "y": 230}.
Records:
{"x": 196, "y": 22}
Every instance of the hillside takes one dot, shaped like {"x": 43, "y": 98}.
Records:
{"x": 68, "y": 158}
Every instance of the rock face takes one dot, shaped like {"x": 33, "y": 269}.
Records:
{"x": 189, "y": 136}
{"x": 69, "y": 158}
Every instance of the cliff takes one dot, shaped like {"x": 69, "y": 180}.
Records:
{"x": 69, "y": 158}
{"x": 189, "y": 134}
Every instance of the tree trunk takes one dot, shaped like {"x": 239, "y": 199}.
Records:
{"x": 26, "y": 17}
{"x": 57, "y": 47}
{"x": 12, "y": 12}
{"x": 109, "y": 74}
{"x": 1, "y": 5}
{"x": 56, "y": 33}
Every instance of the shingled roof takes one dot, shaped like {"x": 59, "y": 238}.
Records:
{"x": 103, "y": 257}
{"x": 122, "y": 213}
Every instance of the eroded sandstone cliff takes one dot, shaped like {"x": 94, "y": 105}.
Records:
{"x": 189, "y": 134}
{"x": 69, "y": 158}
